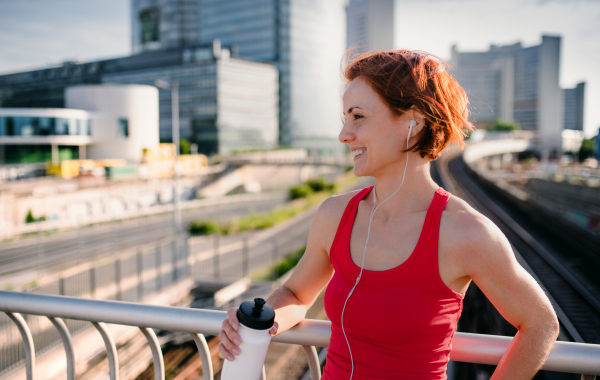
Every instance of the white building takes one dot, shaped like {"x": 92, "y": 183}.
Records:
{"x": 370, "y": 25}
{"x": 99, "y": 122}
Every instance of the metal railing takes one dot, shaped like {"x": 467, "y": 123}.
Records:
{"x": 143, "y": 271}
{"x": 473, "y": 348}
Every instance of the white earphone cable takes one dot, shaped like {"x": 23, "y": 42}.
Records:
{"x": 412, "y": 123}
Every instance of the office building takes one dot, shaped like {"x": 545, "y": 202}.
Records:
{"x": 305, "y": 38}
{"x": 99, "y": 122}
{"x": 370, "y": 25}
{"x": 574, "y": 107}
{"x": 516, "y": 83}
{"x": 225, "y": 103}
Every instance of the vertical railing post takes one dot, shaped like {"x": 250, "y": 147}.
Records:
{"x": 187, "y": 268}
{"x": 159, "y": 364}
{"x": 140, "y": 268}
{"x": 245, "y": 256}
{"x": 216, "y": 267}
{"x": 174, "y": 258}
{"x": 158, "y": 262}
{"x": 93, "y": 282}
{"x": 65, "y": 336}
{"x": 27, "y": 343}
{"x": 61, "y": 286}
{"x": 274, "y": 260}
{"x": 313, "y": 362}
{"x": 118, "y": 295}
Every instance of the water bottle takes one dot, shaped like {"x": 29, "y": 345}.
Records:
{"x": 256, "y": 319}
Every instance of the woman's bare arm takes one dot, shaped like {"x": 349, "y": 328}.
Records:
{"x": 311, "y": 275}
{"x": 488, "y": 259}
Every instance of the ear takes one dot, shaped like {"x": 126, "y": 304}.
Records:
{"x": 418, "y": 117}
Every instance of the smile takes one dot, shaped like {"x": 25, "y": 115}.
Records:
{"x": 356, "y": 153}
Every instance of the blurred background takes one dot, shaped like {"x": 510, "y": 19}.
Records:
{"x": 174, "y": 152}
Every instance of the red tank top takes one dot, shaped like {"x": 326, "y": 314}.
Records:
{"x": 400, "y": 322}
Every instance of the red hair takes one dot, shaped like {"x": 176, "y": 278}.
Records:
{"x": 405, "y": 79}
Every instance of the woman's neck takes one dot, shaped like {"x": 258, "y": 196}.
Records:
{"x": 416, "y": 190}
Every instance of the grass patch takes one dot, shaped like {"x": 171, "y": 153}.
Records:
{"x": 282, "y": 267}
{"x": 262, "y": 221}
{"x": 303, "y": 196}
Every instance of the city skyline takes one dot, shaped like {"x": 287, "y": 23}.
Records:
{"x": 35, "y": 35}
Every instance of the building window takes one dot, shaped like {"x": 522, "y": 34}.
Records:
{"x": 10, "y": 126}
{"x": 149, "y": 25}
{"x": 123, "y": 128}
{"x": 206, "y": 135}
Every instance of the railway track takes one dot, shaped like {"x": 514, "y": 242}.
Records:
{"x": 577, "y": 308}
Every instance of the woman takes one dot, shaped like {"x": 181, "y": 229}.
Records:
{"x": 398, "y": 258}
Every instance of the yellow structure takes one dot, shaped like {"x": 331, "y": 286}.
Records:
{"x": 155, "y": 164}
{"x": 159, "y": 164}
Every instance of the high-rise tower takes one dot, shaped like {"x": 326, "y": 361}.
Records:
{"x": 305, "y": 38}
{"x": 370, "y": 25}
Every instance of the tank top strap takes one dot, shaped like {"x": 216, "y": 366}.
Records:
{"x": 440, "y": 204}
{"x": 347, "y": 219}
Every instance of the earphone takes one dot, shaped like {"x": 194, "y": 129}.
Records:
{"x": 412, "y": 124}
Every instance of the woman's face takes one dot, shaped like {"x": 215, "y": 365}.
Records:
{"x": 375, "y": 135}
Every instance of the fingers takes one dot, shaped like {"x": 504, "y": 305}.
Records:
{"x": 225, "y": 352}
{"x": 274, "y": 329}
{"x": 232, "y": 316}
{"x": 230, "y": 339}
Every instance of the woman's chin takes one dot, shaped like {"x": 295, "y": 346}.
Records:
{"x": 360, "y": 171}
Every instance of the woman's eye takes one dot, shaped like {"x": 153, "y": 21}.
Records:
{"x": 357, "y": 116}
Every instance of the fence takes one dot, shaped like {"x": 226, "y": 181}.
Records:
{"x": 474, "y": 348}
{"x": 145, "y": 270}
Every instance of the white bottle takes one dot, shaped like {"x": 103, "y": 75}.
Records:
{"x": 256, "y": 319}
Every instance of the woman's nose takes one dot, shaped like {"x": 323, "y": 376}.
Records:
{"x": 346, "y": 135}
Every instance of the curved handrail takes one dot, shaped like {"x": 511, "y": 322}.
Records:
{"x": 65, "y": 336}
{"x": 111, "y": 350}
{"x": 27, "y": 343}
{"x": 474, "y": 348}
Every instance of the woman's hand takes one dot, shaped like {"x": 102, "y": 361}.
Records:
{"x": 230, "y": 339}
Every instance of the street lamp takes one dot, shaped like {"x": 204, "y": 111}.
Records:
{"x": 174, "y": 87}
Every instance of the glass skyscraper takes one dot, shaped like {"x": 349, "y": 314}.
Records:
{"x": 305, "y": 38}
{"x": 370, "y": 25}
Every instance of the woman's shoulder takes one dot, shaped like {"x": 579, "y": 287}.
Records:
{"x": 466, "y": 231}
{"x": 330, "y": 213}
{"x": 332, "y": 208}
{"x": 337, "y": 203}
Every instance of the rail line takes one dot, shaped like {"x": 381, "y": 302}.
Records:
{"x": 577, "y": 308}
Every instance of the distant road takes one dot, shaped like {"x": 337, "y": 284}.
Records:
{"x": 70, "y": 248}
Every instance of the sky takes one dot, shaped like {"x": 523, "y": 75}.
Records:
{"x": 40, "y": 33}
{"x": 435, "y": 25}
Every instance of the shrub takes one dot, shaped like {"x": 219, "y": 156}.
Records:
{"x": 319, "y": 185}
{"x": 289, "y": 262}
{"x": 301, "y": 191}
{"x": 587, "y": 148}
{"x": 504, "y": 126}
{"x": 29, "y": 218}
{"x": 202, "y": 227}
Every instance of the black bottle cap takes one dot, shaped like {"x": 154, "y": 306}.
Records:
{"x": 256, "y": 315}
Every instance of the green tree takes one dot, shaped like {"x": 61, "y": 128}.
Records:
{"x": 185, "y": 146}
{"x": 587, "y": 148}
{"x": 504, "y": 126}
{"x": 29, "y": 218}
